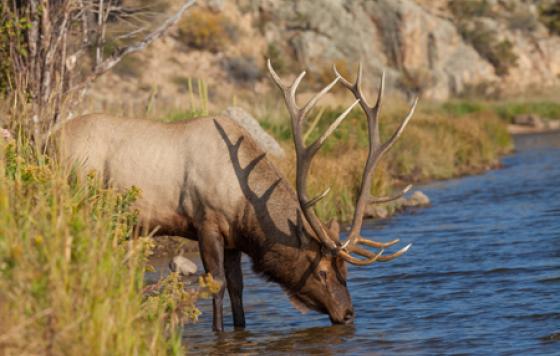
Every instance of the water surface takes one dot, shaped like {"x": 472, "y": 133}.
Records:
{"x": 482, "y": 277}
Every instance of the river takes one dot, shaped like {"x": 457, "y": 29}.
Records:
{"x": 482, "y": 277}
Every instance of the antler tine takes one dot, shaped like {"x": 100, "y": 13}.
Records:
{"x": 371, "y": 258}
{"x": 377, "y": 256}
{"x": 314, "y": 147}
{"x": 276, "y": 79}
{"x": 356, "y": 87}
{"x": 304, "y": 154}
{"x": 311, "y": 103}
{"x": 373, "y": 156}
{"x": 400, "y": 130}
{"x": 376, "y": 150}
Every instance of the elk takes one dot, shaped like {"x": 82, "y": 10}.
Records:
{"x": 207, "y": 180}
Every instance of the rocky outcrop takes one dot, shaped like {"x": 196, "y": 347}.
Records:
{"x": 419, "y": 50}
{"x": 438, "y": 49}
{"x": 417, "y": 200}
{"x": 421, "y": 45}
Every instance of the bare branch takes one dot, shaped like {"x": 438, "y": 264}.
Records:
{"x": 122, "y": 52}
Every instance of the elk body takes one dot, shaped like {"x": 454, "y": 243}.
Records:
{"x": 207, "y": 180}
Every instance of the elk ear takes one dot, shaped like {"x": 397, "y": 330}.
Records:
{"x": 334, "y": 229}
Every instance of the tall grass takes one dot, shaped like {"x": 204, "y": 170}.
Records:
{"x": 71, "y": 270}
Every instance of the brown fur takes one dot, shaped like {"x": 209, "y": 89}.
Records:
{"x": 207, "y": 180}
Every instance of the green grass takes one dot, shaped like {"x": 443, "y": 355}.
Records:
{"x": 72, "y": 270}
{"x": 505, "y": 109}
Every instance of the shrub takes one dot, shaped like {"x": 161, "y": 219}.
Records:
{"x": 484, "y": 89}
{"x": 203, "y": 29}
{"x": 545, "y": 109}
{"x": 129, "y": 67}
{"x": 416, "y": 81}
{"x": 523, "y": 20}
{"x": 470, "y": 8}
{"x": 549, "y": 15}
{"x": 242, "y": 69}
{"x": 325, "y": 74}
{"x": 485, "y": 41}
{"x": 277, "y": 57}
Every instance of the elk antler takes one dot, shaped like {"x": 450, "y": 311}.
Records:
{"x": 304, "y": 154}
{"x": 376, "y": 150}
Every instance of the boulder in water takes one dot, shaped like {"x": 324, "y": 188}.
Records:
{"x": 182, "y": 265}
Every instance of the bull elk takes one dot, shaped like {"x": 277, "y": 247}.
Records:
{"x": 207, "y": 180}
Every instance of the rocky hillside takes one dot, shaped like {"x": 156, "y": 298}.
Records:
{"x": 437, "y": 48}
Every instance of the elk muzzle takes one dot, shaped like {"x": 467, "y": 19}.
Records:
{"x": 345, "y": 318}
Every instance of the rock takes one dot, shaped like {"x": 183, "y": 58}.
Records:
{"x": 376, "y": 211}
{"x": 266, "y": 142}
{"x": 422, "y": 45}
{"x": 216, "y": 5}
{"x": 182, "y": 265}
{"x": 531, "y": 120}
{"x": 553, "y": 124}
{"x": 418, "y": 199}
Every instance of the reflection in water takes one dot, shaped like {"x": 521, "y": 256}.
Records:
{"x": 483, "y": 276}
{"x": 316, "y": 340}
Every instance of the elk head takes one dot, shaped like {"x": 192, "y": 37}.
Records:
{"x": 324, "y": 286}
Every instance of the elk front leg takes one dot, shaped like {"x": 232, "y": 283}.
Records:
{"x": 211, "y": 247}
{"x": 234, "y": 279}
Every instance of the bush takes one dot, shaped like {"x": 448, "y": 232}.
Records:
{"x": 326, "y": 74}
{"x": 544, "y": 109}
{"x": 242, "y": 69}
{"x": 416, "y": 81}
{"x": 523, "y": 20}
{"x": 277, "y": 57}
{"x": 549, "y": 15}
{"x": 470, "y": 8}
{"x": 129, "y": 67}
{"x": 203, "y": 29}
{"x": 485, "y": 41}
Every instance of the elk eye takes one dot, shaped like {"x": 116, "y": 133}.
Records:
{"x": 323, "y": 275}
